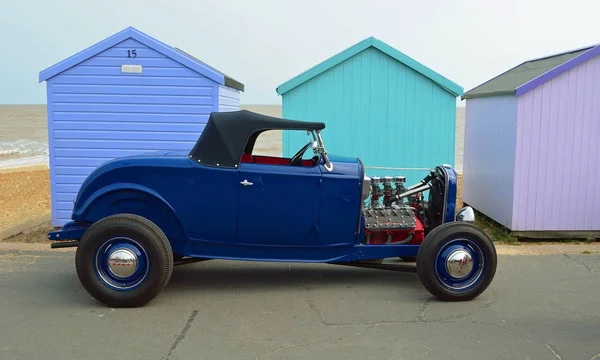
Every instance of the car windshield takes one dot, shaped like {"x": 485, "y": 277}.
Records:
{"x": 319, "y": 147}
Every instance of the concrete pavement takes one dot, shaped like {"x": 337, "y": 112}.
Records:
{"x": 538, "y": 307}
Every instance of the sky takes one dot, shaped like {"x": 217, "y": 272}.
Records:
{"x": 263, "y": 43}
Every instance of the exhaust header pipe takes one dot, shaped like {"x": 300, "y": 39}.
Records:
{"x": 413, "y": 191}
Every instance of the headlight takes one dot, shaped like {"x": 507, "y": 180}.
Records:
{"x": 466, "y": 214}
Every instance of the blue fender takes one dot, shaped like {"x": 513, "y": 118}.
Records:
{"x": 451, "y": 192}
{"x": 119, "y": 198}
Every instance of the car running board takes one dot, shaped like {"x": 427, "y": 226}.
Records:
{"x": 382, "y": 266}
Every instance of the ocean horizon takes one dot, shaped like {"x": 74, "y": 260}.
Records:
{"x": 24, "y": 134}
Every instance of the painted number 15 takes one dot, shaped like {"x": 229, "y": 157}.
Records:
{"x": 131, "y": 53}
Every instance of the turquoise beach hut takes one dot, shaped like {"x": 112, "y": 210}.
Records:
{"x": 378, "y": 104}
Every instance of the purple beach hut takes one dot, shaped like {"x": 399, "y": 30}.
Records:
{"x": 532, "y": 149}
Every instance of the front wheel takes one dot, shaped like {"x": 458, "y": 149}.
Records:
{"x": 456, "y": 262}
{"x": 124, "y": 260}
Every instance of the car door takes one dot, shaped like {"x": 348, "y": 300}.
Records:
{"x": 278, "y": 204}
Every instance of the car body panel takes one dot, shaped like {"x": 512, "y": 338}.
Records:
{"x": 341, "y": 202}
{"x": 191, "y": 196}
{"x": 280, "y": 207}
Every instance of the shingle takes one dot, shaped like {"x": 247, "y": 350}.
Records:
{"x": 507, "y": 82}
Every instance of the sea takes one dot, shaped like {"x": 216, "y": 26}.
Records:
{"x": 24, "y": 134}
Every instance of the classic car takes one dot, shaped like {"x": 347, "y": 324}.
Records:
{"x": 136, "y": 217}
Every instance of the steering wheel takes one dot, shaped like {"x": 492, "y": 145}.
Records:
{"x": 297, "y": 158}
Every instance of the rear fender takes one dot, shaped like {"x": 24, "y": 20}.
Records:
{"x": 132, "y": 198}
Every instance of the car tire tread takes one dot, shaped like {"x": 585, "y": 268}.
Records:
{"x": 435, "y": 240}
{"x": 153, "y": 240}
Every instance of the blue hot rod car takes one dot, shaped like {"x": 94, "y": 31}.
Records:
{"x": 136, "y": 217}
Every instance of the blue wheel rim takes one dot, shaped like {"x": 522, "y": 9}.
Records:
{"x": 459, "y": 265}
{"x": 121, "y": 263}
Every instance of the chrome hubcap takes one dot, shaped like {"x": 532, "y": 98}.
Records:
{"x": 459, "y": 264}
{"x": 122, "y": 263}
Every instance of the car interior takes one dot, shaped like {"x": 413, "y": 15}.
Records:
{"x": 295, "y": 160}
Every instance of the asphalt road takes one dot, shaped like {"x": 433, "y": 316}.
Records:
{"x": 538, "y": 307}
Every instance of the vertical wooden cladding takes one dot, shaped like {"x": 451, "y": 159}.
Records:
{"x": 378, "y": 109}
{"x": 489, "y": 156}
{"x": 558, "y": 153}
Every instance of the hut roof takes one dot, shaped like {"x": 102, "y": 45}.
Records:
{"x": 532, "y": 73}
{"x": 369, "y": 42}
{"x": 159, "y": 46}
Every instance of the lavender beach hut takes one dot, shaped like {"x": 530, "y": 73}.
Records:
{"x": 532, "y": 149}
{"x": 126, "y": 95}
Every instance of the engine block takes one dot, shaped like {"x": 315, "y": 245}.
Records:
{"x": 387, "y": 223}
{"x": 394, "y": 218}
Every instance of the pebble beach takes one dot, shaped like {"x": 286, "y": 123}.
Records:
{"x": 25, "y": 199}
{"x": 24, "y": 174}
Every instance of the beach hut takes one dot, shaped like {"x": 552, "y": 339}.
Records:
{"x": 378, "y": 104}
{"x": 531, "y": 149}
{"x": 125, "y": 95}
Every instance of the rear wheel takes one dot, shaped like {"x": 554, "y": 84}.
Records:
{"x": 124, "y": 260}
{"x": 456, "y": 262}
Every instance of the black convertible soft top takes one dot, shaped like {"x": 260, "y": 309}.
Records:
{"x": 228, "y": 134}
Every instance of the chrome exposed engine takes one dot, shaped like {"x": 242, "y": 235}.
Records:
{"x": 377, "y": 213}
{"x": 397, "y": 214}
{"x": 392, "y": 210}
